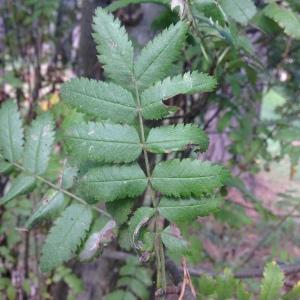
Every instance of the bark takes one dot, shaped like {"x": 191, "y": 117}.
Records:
{"x": 88, "y": 65}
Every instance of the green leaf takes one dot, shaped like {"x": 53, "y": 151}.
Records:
{"x": 189, "y": 83}
{"x": 208, "y": 9}
{"x": 114, "y": 49}
{"x": 20, "y": 186}
{"x": 74, "y": 283}
{"x": 11, "y": 133}
{"x": 51, "y": 206}
{"x": 187, "y": 177}
{"x": 68, "y": 176}
{"x": 156, "y": 59}
{"x": 188, "y": 209}
{"x": 98, "y": 238}
{"x": 120, "y": 294}
{"x": 242, "y": 293}
{"x": 123, "y": 3}
{"x": 176, "y": 138}
{"x": 272, "y": 282}
{"x": 173, "y": 241}
{"x": 140, "y": 218}
{"x": 207, "y": 285}
{"x": 65, "y": 236}
{"x": 294, "y": 293}
{"x": 135, "y": 286}
{"x": 265, "y": 24}
{"x": 271, "y": 101}
{"x": 100, "y": 99}
{"x": 120, "y": 210}
{"x": 134, "y": 268}
{"x": 103, "y": 142}
{"x": 133, "y": 278}
{"x": 225, "y": 285}
{"x": 240, "y": 11}
{"x": 38, "y": 146}
{"x": 285, "y": 18}
{"x": 5, "y": 167}
{"x": 108, "y": 183}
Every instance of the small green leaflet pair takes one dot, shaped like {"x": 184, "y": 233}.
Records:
{"x": 172, "y": 178}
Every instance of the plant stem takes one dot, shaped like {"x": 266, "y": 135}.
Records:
{"x": 60, "y": 189}
{"x": 197, "y": 32}
{"x": 158, "y": 246}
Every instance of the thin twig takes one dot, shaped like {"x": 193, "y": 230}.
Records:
{"x": 177, "y": 272}
{"x": 60, "y": 189}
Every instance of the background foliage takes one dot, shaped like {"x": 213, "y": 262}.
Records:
{"x": 250, "y": 116}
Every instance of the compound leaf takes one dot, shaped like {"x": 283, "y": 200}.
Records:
{"x": 187, "y": 177}
{"x": 11, "y": 133}
{"x": 103, "y": 142}
{"x": 100, "y": 99}
{"x": 39, "y": 141}
{"x": 65, "y": 236}
{"x": 176, "y": 138}
{"x": 108, "y": 183}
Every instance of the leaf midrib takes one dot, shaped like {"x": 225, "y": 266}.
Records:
{"x": 133, "y": 108}
{"x": 101, "y": 141}
{"x": 112, "y": 181}
{"x": 10, "y": 138}
{"x": 183, "y": 206}
{"x": 169, "y": 141}
{"x": 185, "y": 178}
{"x": 38, "y": 150}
